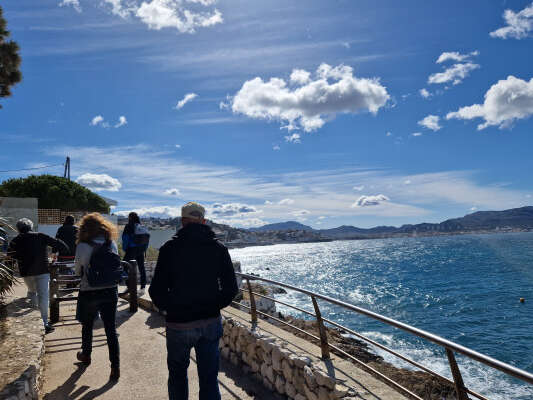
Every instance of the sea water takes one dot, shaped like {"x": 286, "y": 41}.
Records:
{"x": 463, "y": 288}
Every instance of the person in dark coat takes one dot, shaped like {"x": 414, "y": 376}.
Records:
{"x": 193, "y": 280}
{"x": 68, "y": 233}
{"x": 133, "y": 250}
{"x": 30, "y": 249}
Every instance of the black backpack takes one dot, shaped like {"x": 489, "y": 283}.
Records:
{"x": 104, "y": 267}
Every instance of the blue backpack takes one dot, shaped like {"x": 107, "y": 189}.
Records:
{"x": 104, "y": 267}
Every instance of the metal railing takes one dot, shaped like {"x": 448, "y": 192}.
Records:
{"x": 450, "y": 347}
{"x": 61, "y": 286}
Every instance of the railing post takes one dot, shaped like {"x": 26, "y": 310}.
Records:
{"x": 54, "y": 294}
{"x": 321, "y": 330}
{"x": 457, "y": 378}
{"x": 253, "y": 309}
{"x": 132, "y": 286}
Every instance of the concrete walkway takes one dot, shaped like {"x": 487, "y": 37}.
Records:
{"x": 143, "y": 363}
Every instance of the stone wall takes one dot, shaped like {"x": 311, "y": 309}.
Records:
{"x": 267, "y": 358}
{"x": 22, "y": 352}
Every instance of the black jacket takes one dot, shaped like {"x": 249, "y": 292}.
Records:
{"x": 194, "y": 277}
{"x": 67, "y": 233}
{"x": 31, "y": 251}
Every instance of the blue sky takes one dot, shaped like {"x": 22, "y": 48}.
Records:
{"x": 327, "y": 112}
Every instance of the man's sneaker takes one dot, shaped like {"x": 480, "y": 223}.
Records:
{"x": 48, "y": 328}
{"x": 86, "y": 360}
{"x": 115, "y": 374}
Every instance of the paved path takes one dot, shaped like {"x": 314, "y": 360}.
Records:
{"x": 143, "y": 363}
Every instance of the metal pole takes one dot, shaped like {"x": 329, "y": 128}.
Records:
{"x": 253, "y": 309}
{"x": 457, "y": 378}
{"x": 321, "y": 330}
{"x": 132, "y": 286}
{"x": 54, "y": 294}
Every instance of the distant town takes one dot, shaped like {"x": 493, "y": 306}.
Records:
{"x": 512, "y": 220}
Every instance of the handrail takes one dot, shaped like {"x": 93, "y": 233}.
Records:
{"x": 448, "y": 345}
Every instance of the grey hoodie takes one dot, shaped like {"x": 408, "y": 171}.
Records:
{"x": 82, "y": 260}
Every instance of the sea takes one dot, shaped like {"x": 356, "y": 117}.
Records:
{"x": 463, "y": 288}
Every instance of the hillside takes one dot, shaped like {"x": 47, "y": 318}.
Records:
{"x": 513, "y": 219}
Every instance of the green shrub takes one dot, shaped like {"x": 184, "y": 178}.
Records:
{"x": 55, "y": 192}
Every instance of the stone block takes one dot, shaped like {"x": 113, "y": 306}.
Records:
{"x": 287, "y": 370}
{"x": 310, "y": 394}
{"x": 299, "y": 396}
{"x": 339, "y": 392}
{"x": 280, "y": 384}
{"x": 310, "y": 378}
{"x": 323, "y": 393}
{"x": 290, "y": 390}
{"x": 323, "y": 379}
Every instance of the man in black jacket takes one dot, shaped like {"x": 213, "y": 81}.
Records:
{"x": 193, "y": 280}
{"x": 68, "y": 233}
{"x": 30, "y": 249}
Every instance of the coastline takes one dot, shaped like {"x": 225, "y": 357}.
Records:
{"x": 374, "y": 237}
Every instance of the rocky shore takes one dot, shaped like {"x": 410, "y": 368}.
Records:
{"x": 421, "y": 383}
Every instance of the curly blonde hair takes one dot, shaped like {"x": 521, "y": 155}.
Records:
{"x": 94, "y": 225}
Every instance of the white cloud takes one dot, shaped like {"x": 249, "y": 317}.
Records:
{"x": 455, "y": 56}
{"x": 99, "y": 182}
{"x": 300, "y": 76}
{"x": 416, "y": 134}
{"x": 286, "y": 202}
{"x": 276, "y": 147}
{"x": 519, "y": 24}
{"x": 97, "y": 120}
{"x": 388, "y": 134}
{"x": 366, "y": 201}
{"x": 333, "y": 90}
{"x": 407, "y": 182}
{"x": 241, "y": 222}
{"x": 159, "y": 14}
{"x": 231, "y": 209}
{"x": 178, "y": 146}
{"x": 268, "y": 202}
{"x": 473, "y": 208}
{"x": 425, "y": 93}
{"x": 75, "y": 4}
{"x": 117, "y": 8}
{"x": 155, "y": 212}
{"x": 455, "y": 74}
{"x": 294, "y": 138}
{"x": 506, "y": 101}
{"x": 188, "y": 97}
{"x": 121, "y": 121}
{"x": 359, "y": 188}
{"x": 172, "y": 192}
{"x": 430, "y": 122}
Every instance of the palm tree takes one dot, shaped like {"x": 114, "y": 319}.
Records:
{"x": 7, "y": 276}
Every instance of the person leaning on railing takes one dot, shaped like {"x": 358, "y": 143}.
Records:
{"x": 96, "y": 234}
{"x": 30, "y": 249}
{"x": 68, "y": 233}
{"x": 193, "y": 280}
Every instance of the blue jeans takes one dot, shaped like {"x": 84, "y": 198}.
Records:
{"x": 38, "y": 287}
{"x": 205, "y": 342}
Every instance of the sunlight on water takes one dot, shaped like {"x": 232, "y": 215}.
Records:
{"x": 464, "y": 288}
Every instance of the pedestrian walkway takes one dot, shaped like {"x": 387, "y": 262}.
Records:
{"x": 143, "y": 363}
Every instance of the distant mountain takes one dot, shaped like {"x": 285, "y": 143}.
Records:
{"x": 283, "y": 226}
{"x": 512, "y": 219}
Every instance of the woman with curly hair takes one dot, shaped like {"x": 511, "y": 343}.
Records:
{"x": 96, "y": 232}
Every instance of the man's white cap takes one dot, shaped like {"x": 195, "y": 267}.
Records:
{"x": 193, "y": 210}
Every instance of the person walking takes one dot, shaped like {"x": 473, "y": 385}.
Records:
{"x": 193, "y": 280}
{"x": 68, "y": 233}
{"x": 98, "y": 263}
{"x": 135, "y": 239}
{"x": 30, "y": 249}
